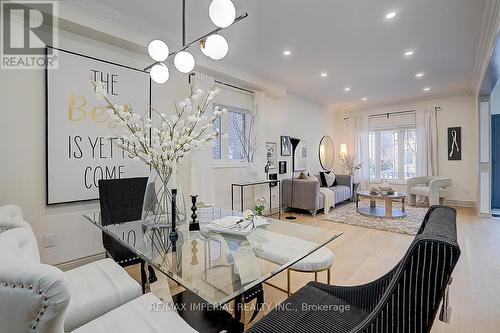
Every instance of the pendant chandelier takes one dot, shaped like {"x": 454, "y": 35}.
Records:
{"x": 222, "y": 13}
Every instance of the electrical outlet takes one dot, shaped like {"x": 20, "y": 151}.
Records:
{"x": 50, "y": 240}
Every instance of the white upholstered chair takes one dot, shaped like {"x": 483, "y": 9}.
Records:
{"x": 146, "y": 314}
{"x": 97, "y": 297}
{"x": 40, "y": 298}
{"x": 433, "y": 188}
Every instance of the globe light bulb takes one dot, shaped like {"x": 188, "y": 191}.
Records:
{"x": 158, "y": 50}
{"x": 215, "y": 47}
{"x": 159, "y": 73}
{"x": 222, "y": 13}
{"x": 184, "y": 62}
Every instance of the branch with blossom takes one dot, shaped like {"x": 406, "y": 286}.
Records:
{"x": 349, "y": 164}
{"x": 164, "y": 146}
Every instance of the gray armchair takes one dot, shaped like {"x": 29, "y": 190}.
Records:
{"x": 433, "y": 188}
{"x": 307, "y": 196}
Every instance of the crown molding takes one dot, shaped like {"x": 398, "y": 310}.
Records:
{"x": 489, "y": 32}
{"x": 102, "y": 12}
{"x": 403, "y": 101}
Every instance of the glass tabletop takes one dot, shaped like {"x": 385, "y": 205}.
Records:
{"x": 395, "y": 195}
{"x": 218, "y": 267}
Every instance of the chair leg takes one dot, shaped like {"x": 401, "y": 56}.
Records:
{"x": 315, "y": 276}
{"x": 288, "y": 282}
{"x": 412, "y": 200}
{"x": 152, "y": 275}
{"x": 143, "y": 277}
{"x": 328, "y": 276}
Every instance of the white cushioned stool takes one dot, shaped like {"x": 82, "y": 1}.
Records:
{"x": 281, "y": 249}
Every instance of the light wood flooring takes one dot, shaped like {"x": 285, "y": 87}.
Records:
{"x": 362, "y": 255}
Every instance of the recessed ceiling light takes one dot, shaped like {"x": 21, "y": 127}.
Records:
{"x": 409, "y": 53}
{"x": 347, "y": 89}
{"x": 364, "y": 99}
{"x": 427, "y": 89}
{"x": 390, "y": 15}
{"x": 420, "y": 75}
{"x": 324, "y": 74}
{"x": 287, "y": 52}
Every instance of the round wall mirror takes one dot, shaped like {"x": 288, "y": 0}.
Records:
{"x": 326, "y": 152}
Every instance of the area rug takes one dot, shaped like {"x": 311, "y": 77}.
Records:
{"x": 346, "y": 213}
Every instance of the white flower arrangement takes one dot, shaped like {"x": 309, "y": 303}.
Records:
{"x": 349, "y": 164}
{"x": 166, "y": 145}
{"x": 248, "y": 214}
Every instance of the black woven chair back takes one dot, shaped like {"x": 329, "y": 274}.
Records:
{"x": 409, "y": 301}
{"x": 121, "y": 201}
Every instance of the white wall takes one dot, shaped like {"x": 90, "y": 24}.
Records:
{"x": 456, "y": 110}
{"x": 22, "y": 146}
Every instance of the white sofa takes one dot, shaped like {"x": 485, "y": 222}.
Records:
{"x": 98, "y": 297}
{"x": 433, "y": 188}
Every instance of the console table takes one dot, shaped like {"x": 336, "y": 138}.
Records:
{"x": 270, "y": 182}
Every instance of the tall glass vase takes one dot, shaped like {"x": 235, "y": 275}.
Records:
{"x": 157, "y": 205}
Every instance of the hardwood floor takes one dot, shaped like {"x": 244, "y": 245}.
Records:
{"x": 362, "y": 255}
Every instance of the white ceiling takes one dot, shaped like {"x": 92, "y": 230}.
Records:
{"x": 350, "y": 40}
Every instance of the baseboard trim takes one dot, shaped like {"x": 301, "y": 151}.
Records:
{"x": 66, "y": 266}
{"x": 461, "y": 203}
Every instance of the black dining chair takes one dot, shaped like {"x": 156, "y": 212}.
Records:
{"x": 121, "y": 201}
{"x": 404, "y": 300}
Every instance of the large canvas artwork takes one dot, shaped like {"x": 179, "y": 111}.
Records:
{"x": 78, "y": 151}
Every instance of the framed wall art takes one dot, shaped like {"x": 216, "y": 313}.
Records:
{"x": 78, "y": 152}
{"x": 286, "y": 146}
{"x": 454, "y": 143}
{"x": 272, "y": 155}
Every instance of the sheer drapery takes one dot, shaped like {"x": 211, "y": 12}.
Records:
{"x": 201, "y": 173}
{"x": 257, "y": 132}
{"x": 359, "y": 128}
{"x": 427, "y": 158}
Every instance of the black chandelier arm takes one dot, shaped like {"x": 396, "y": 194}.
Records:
{"x": 183, "y": 22}
{"x": 185, "y": 47}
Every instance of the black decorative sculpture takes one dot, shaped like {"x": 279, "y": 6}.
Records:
{"x": 173, "y": 232}
{"x": 194, "y": 225}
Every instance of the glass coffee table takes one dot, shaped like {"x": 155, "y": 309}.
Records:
{"x": 387, "y": 211}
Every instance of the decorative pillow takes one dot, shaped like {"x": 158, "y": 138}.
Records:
{"x": 303, "y": 175}
{"x": 328, "y": 178}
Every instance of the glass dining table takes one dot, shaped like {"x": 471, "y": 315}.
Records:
{"x": 216, "y": 267}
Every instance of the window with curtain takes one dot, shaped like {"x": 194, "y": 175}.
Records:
{"x": 216, "y": 148}
{"x": 237, "y": 135}
{"x": 393, "y": 154}
{"x": 233, "y": 123}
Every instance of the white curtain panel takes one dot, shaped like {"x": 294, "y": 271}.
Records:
{"x": 202, "y": 173}
{"x": 359, "y": 124}
{"x": 427, "y": 157}
{"x": 259, "y": 132}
